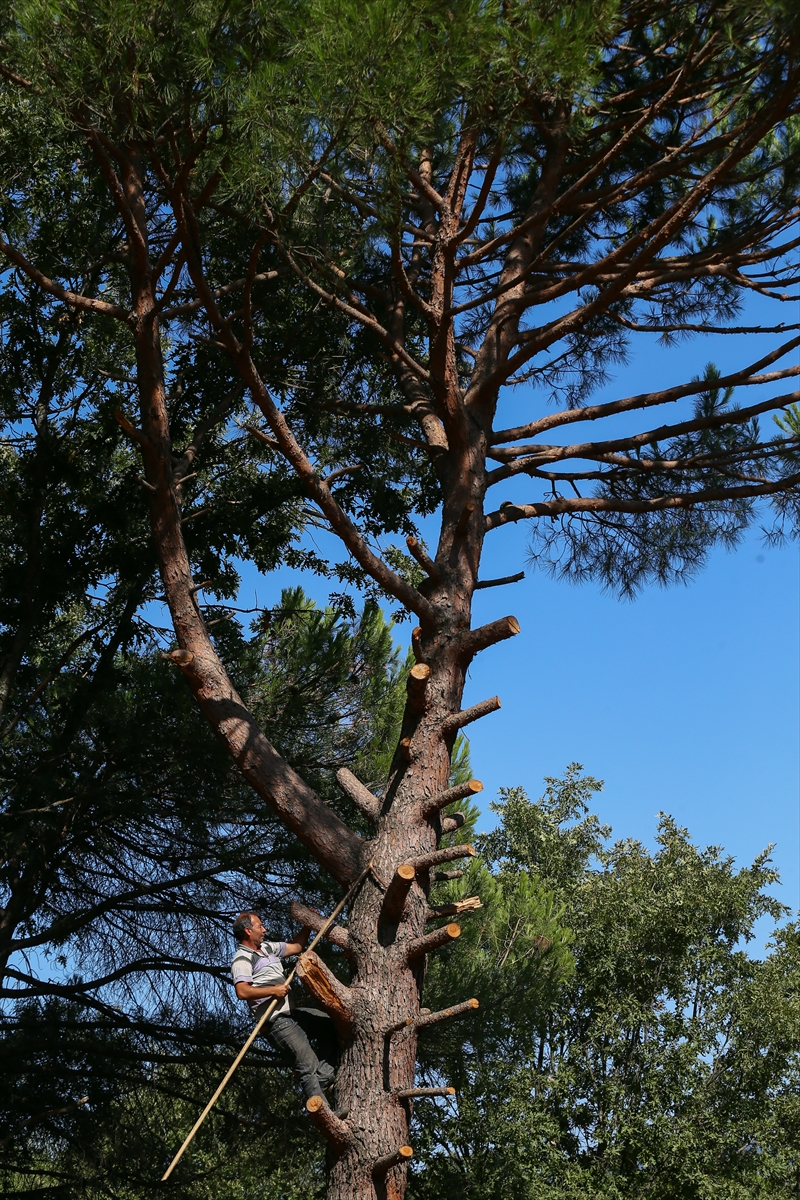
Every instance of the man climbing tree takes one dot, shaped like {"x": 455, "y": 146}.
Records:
{"x": 258, "y": 978}
{"x": 461, "y": 199}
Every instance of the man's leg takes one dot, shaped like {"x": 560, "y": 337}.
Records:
{"x": 288, "y": 1036}
{"x": 319, "y": 1028}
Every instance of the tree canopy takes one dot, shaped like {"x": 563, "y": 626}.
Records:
{"x": 298, "y": 267}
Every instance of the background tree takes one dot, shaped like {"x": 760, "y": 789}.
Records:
{"x": 116, "y": 986}
{"x": 665, "y": 1064}
{"x": 483, "y": 196}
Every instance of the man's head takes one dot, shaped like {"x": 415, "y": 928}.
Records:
{"x": 248, "y": 927}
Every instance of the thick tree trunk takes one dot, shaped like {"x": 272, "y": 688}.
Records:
{"x": 379, "y": 1059}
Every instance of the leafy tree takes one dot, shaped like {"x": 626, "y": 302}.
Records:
{"x": 114, "y": 966}
{"x": 379, "y": 219}
{"x": 666, "y": 1063}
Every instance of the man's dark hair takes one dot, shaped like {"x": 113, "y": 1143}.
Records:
{"x": 241, "y": 925}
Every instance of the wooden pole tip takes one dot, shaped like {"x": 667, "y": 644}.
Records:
{"x": 451, "y": 1091}
{"x": 453, "y": 930}
{"x": 420, "y": 672}
{"x": 513, "y": 625}
{"x": 314, "y": 1104}
{"x": 473, "y": 1003}
{"x": 406, "y": 1151}
{"x": 475, "y": 786}
{"x": 406, "y": 871}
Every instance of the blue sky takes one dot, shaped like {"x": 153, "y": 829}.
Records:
{"x": 686, "y": 700}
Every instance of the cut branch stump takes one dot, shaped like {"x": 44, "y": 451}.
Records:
{"x": 327, "y": 1122}
{"x": 460, "y": 792}
{"x": 432, "y": 941}
{"x": 401, "y": 1155}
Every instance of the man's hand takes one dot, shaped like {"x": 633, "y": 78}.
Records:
{"x": 299, "y": 945}
{"x": 248, "y": 991}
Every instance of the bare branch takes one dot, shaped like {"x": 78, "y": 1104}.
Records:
{"x": 487, "y": 583}
{"x": 361, "y": 796}
{"x": 514, "y": 512}
{"x": 309, "y": 916}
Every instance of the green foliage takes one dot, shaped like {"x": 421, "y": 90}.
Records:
{"x": 667, "y": 1059}
{"x": 139, "y": 843}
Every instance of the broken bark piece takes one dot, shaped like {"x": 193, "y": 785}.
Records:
{"x": 384, "y": 1164}
{"x": 470, "y": 904}
{"x": 327, "y": 1122}
{"x": 131, "y": 430}
{"x": 416, "y": 642}
{"x": 309, "y": 916}
{"x": 325, "y": 987}
{"x": 405, "y": 749}
{"x": 361, "y": 796}
{"x": 460, "y": 792}
{"x": 432, "y": 941}
{"x": 466, "y": 716}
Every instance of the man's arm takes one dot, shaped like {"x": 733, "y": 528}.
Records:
{"x": 299, "y": 946}
{"x": 249, "y": 991}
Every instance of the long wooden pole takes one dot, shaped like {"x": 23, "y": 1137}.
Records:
{"x": 352, "y": 890}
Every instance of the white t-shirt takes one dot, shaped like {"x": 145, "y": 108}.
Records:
{"x": 262, "y": 968}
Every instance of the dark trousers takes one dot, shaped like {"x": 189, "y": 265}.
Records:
{"x": 292, "y": 1035}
